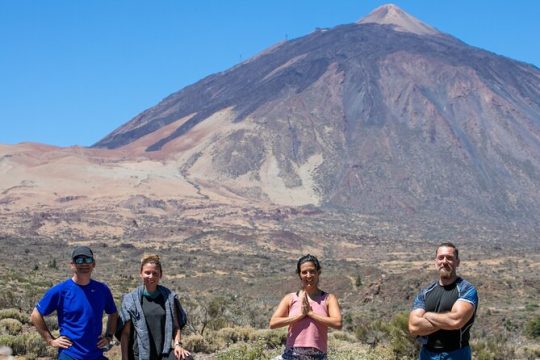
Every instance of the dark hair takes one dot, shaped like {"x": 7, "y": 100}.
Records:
{"x": 450, "y": 245}
{"x": 151, "y": 259}
{"x": 305, "y": 259}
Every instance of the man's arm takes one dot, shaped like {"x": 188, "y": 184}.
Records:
{"x": 111, "y": 329}
{"x": 461, "y": 313}
{"x": 418, "y": 325}
{"x": 40, "y": 325}
{"x": 112, "y": 320}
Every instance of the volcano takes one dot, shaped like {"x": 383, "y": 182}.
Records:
{"x": 387, "y": 115}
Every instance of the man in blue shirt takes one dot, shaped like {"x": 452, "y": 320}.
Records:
{"x": 443, "y": 312}
{"x": 79, "y": 303}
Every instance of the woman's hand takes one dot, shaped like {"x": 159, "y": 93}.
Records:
{"x": 180, "y": 353}
{"x": 334, "y": 314}
{"x": 306, "y": 307}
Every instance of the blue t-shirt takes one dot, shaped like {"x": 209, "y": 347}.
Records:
{"x": 80, "y": 314}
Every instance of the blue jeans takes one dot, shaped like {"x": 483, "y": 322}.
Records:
{"x": 459, "y": 354}
{"x": 62, "y": 356}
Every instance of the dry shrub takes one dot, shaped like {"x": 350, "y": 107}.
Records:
{"x": 251, "y": 351}
{"x": 531, "y": 353}
{"x": 10, "y": 326}
{"x": 345, "y": 346}
{"x": 380, "y": 352}
{"x": 18, "y": 345}
{"x": 14, "y": 314}
{"x": 29, "y": 345}
{"x": 272, "y": 338}
{"x": 401, "y": 342}
{"x": 35, "y": 345}
{"x": 342, "y": 336}
{"x": 7, "y": 340}
{"x": 197, "y": 343}
{"x": 52, "y": 323}
{"x": 236, "y": 334}
{"x": 228, "y": 338}
{"x": 532, "y": 329}
{"x": 492, "y": 349}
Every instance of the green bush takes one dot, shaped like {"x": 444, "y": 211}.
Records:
{"x": 252, "y": 351}
{"x": 272, "y": 338}
{"x": 197, "y": 343}
{"x": 7, "y": 340}
{"x": 343, "y": 346}
{"x": 492, "y": 349}
{"x": 29, "y": 345}
{"x": 403, "y": 345}
{"x": 381, "y": 352}
{"x": 237, "y": 334}
{"x": 52, "y": 322}
{"x": 342, "y": 336}
{"x": 214, "y": 341}
{"x": 18, "y": 346}
{"x": 35, "y": 345}
{"x": 533, "y": 353}
{"x": 10, "y": 326}
{"x": 14, "y": 314}
{"x": 532, "y": 329}
{"x": 369, "y": 332}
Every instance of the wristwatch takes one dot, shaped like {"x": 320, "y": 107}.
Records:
{"x": 178, "y": 343}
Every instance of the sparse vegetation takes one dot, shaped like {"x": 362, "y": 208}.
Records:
{"x": 533, "y": 327}
{"x": 10, "y": 326}
{"x": 13, "y": 314}
{"x": 230, "y": 279}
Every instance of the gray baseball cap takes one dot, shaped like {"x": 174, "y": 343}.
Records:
{"x": 82, "y": 251}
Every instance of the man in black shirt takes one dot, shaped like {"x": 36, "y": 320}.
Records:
{"x": 443, "y": 312}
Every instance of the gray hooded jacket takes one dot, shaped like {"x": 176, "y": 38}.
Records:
{"x": 132, "y": 311}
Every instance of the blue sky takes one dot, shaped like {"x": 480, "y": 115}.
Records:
{"x": 71, "y": 71}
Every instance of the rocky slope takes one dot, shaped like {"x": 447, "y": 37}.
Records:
{"x": 386, "y": 119}
{"x": 386, "y": 115}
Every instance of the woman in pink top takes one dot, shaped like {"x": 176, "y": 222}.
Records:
{"x": 308, "y": 313}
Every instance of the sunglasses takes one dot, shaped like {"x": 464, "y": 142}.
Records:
{"x": 83, "y": 260}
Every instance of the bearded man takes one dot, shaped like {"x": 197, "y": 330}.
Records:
{"x": 443, "y": 313}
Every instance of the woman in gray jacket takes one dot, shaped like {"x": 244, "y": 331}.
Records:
{"x": 151, "y": 318}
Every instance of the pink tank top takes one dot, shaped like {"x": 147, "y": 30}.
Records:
{"x": 307, "y": 332}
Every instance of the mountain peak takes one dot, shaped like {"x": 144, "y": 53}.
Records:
{"x": 391, "y": 14}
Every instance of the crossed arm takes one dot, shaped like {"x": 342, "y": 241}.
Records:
{"x": 281, "y": 316}
{"x": 423, "y": 323}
